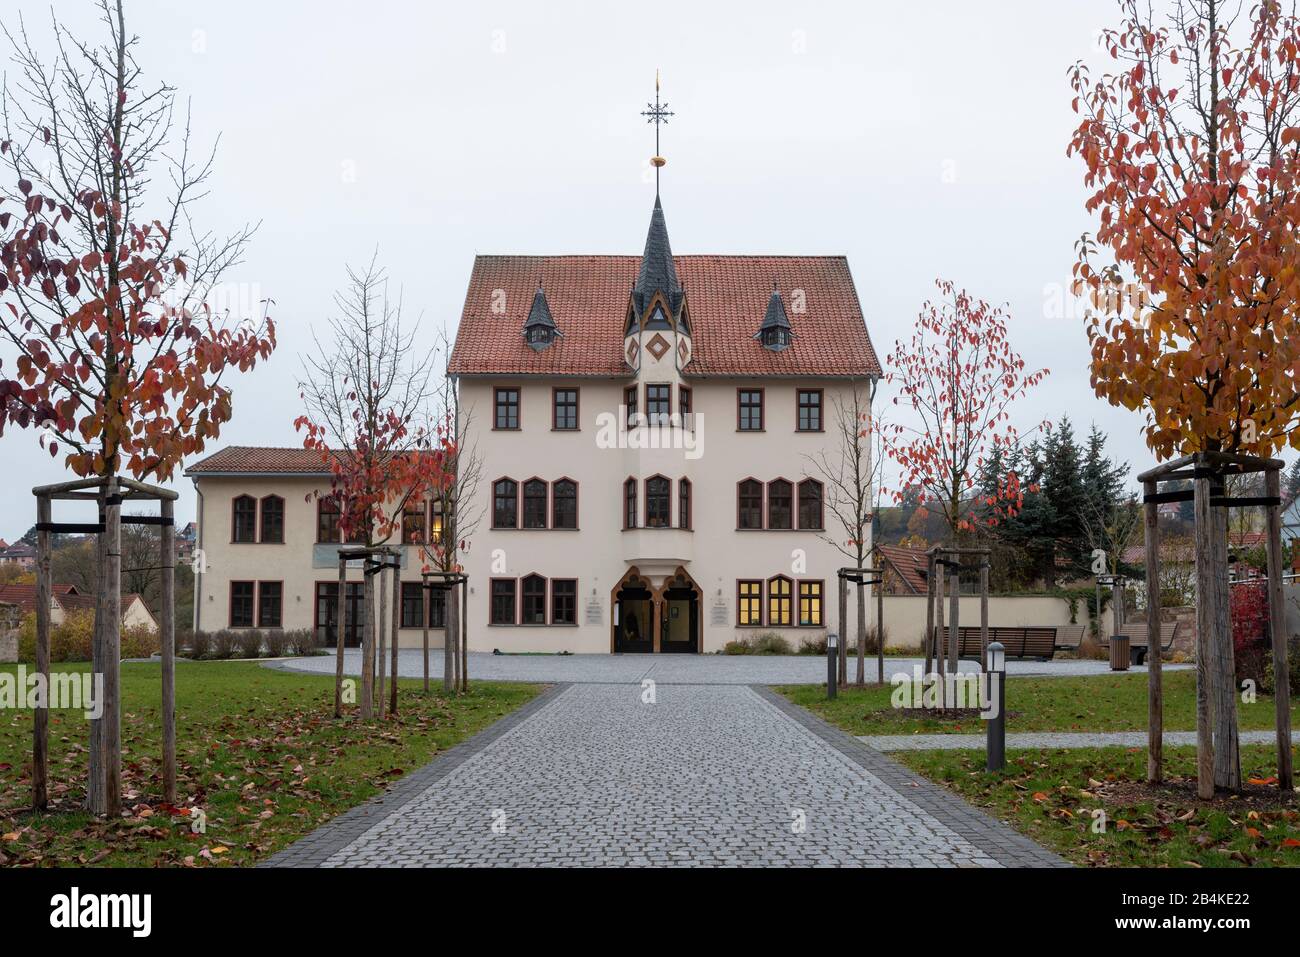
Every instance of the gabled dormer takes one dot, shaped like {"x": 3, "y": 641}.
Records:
{"x": 539, "y": 328}
{"x": 775, "y": 333}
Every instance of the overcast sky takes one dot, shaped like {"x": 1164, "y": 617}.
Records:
{"x": 919, "y": 140}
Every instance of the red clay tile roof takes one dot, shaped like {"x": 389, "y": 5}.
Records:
{"x": 24, "y": 596}
{"x": 251, "y": 460}
{"x": 909, "y": 563}
{"x": 726, "y": 298}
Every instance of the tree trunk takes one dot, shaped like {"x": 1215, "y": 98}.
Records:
{"x": 367, "y": 645}
{"x": 1206, "y": 622}
{"x": 397, "y": 612}
{"x": 41, "y": 716}
{"x": 862, "y": 631}
{"x": 168, "y": 650}
{"x": 1227, "y": 748}
{"x": 1155, "y": 692}
{"x": 104, "y": 794}
{"x": 341, "y": 628}
{"x": 1278, "y": 633}
{"x": 449, "y": 655}
{"x": 426, "y": 602}
{"x": 382, "y": 596}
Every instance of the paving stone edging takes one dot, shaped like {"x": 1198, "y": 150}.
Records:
{"x": 1001, "y": 842}
{"x": 313, "y": 849}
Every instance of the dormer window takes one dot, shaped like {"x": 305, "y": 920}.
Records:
{"x": 776, "y": 338}
{"x": 775, "y": 332}
{"x": 539, "y": 328}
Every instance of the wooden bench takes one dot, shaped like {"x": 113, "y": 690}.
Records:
{"x": 1138, "y": 643}
{"x": 1069, "y": 637}
{"x": 1020, "y": 641}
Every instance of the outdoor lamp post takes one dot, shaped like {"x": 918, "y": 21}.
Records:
{"x": 832, "y": 662}
{"x": 997, "y": 725}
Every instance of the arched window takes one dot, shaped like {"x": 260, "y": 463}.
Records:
{"x": 684, "y": 503}
{"x": 749, "y": 504}
{"x": 658, "y": 498}
{"x": 505, "y": 503}
{"x": 810, "y": 504}
{"x": 244, "y": 519}
{"x": 273, "y": 519}
{"x": 778, "y": 601}
{"x": 779, "y": 493}
{"x": 534, "y": 601}
{"x": 535, "y": 491}
{"x": 564, "y": 504}
{"x": 629, "y": 503}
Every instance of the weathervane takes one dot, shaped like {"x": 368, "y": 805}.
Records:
{"x": 657, "y": 114}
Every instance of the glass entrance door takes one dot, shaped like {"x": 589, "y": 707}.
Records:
{"x": 633, "y": 624}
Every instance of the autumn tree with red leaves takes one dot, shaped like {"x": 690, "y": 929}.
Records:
{"x": 1191, "y": 145}
{"x": 960, "y": 377}
{"x": 369, "y": 396}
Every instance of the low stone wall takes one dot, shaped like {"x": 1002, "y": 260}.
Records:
{"x": 905, "y": 614}
{"x": 9, "y": 621}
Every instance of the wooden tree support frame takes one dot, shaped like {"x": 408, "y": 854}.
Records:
{"x": 104, "y": 781}
{"x": 1217, "y": 759}
{"x": 859, "y": 576}
{"x": 455, "y": 630}
{"x": 945, "y": 558}
{"x": 374, "y": 559}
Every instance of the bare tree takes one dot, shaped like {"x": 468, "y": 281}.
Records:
{"x": 367, "y": 394}
{"x": 849, "y": 470}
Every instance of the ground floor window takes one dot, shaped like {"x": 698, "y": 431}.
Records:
{"x": 270, "y": 604}
{"x": 412, "y": 605}
{"x": 564, "y": 601}
{"x": 327, "y": 607}
{"x": 778, "y": 601}
{"x": 503, "y": 601}
{"x": 534, "y": 600}
{"x": 810, "y": 603}
{"x": 241, "y": 604}
{"x": 750, "y": 604}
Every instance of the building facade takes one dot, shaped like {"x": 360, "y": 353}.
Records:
{"x": 658, "y": 442}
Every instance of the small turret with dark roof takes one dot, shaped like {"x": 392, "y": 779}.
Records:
{"x": 775, "y": 333}
{"x": 539, "y": 328}
{"x": 657, "y": 274}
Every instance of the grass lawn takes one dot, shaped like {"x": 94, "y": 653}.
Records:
{"x": 1097, "y": 703}
{"x": 257, "y": 750}
{"x": 1051, "y": 796}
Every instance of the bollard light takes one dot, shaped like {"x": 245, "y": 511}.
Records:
{"x": 997, "y": 725}
{"x": 832, "y": 663}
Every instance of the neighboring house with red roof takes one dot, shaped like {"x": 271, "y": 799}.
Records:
{"x": 646, "y": 427}
{"x": 906, "y": 569}
{"x": 21, "y": 555}
{"x": 66, "y": 599}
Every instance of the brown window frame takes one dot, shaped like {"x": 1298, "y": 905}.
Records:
{"x": 770, "y": 522}
{"x": 523, "y": 504}
{"x": 405, "y": 605}
{"x": 524, "y": 598}
{"x": 740, "y": 409}
{"x": 685, "y": 404}
{"x": 495, "y": 483}
{"x": 555, "y": 619}
{"x": 234, "y": 520}
{"x": 762, "y": 505}
{"x": 258, "y": 604}
{"x": 630, "y": 395}
{"x": 820, "y": 599}
{"x": 787, "y": 599}
{"x": 630, "y": 503}
{"x": 337, "y": 512}
{"x": 420, "y": 511}
{"x": 684, "y": 503}
{"x": 741, "y": 598}
{"x": 820, "y": 407}
{"x": 821, "y": 505}
{"x": 665, "y": 416}
{"x": 554, "y": 498}
{"x": 668, "y": 502}
{"x": 555, "y": 409}
{"x": 492, "y": 601}
{"x": 262, "y": 535}
{"x": 518, "y": 407}
{"x": 252, "y": 603}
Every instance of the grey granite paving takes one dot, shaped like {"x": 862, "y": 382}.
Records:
{"x": 1044, "y": 739}
{"x": 673, "y": 669}
{"x": 705, "y": 775}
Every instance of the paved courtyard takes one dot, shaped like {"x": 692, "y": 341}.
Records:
{"x": 705, "y": 775}
{"x": 674, "y": 669}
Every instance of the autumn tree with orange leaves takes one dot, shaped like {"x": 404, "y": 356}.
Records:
{"x": 1190, "y": 143}
{"x": 960, "y": 377}
{"x": 369, "y": 396}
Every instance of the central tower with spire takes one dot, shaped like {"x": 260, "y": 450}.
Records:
{"x": 658, "y": 322}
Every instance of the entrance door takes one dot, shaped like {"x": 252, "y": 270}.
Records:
{"x": 680, "y": 629}
{"x": 633, "y": 624}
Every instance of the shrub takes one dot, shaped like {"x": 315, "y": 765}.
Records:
{"x": 224, "y": 643}
{"x": 277, "y": 643}
{"x": 200, "y": 644}
{"x": 813, "y": 646}
{"x": 301, "y": 641}
{"x": 736, "y": 647}
{"x": 248, "y": 642}
{"x": 1248, "y": 606}
{"x": 72, "y": 639}
{"x": 770, "y": 643}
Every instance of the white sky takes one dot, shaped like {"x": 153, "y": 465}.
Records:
{"x": 920, "y": 140}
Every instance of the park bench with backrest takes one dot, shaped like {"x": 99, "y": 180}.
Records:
{"x": 1020, "y": 641}
{"x": 1138, "y": 643}
{"x": 1069, "y": 637}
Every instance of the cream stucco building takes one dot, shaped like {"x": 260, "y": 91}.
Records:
{"x": 648, "y": 431}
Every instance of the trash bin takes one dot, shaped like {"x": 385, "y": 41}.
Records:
{"x": 1119, "y": 660}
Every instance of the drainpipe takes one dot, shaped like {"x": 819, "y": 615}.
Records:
{"x": 198, "y": 548}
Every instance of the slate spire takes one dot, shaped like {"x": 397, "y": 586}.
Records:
{"x": 657, "y": 271}
{"x": 539, "y": 328}
{"x": 775, "y": 332}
